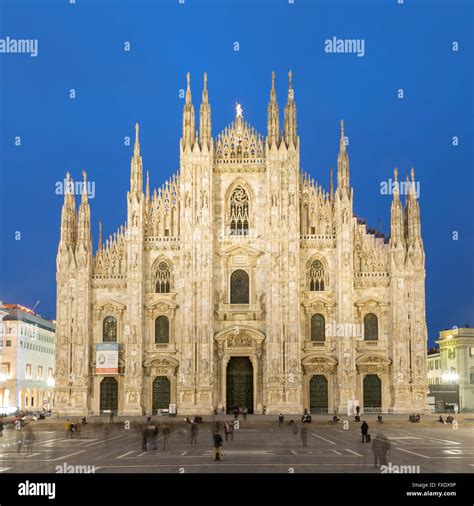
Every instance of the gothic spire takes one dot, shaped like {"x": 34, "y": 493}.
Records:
{"x": 205, "y": 117}
{"x": 136, "y": 172}
{"x": 412, "y": 213}
{"x": 343, "y": 178}
{"x": 396, "y": 215}
{"x": 331, "y": 187}
{"x": 188, "y": 117}
{"x": 290, "y": 115}
{"x": 99, "y": 246}
{"x": 68, "y": 214}
{"x": 273, "y": 112}
{"x": 147, "y": 194}
{"x": 84, "y": 224}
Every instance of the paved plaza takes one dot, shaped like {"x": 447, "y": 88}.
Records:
{"x": 260, "y": 445}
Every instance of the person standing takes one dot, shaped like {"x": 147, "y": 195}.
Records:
{"x": 281, "y": 420}
{"x": 194, "y": 432}
{"x": 154, "y": 437}
{"x": 29, "y": 440}
{"x": 304, "y": 435}
{"x": 166, "y": 435}
{"x": 380, "y": 446}
{"x": 144, "y": 437}
{"x": 227, "y": 430}
{"x": 364, "y": 429}
{"x": 231, "y": 431}
{"x": 217, "y": 453}
{"x": 357, "y": 410}
{"x": 245, "y": 412}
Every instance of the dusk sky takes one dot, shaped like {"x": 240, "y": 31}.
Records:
{"x": 82, "y": 47}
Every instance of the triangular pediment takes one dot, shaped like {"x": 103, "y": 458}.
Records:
{"x": 370, "y": 301}
{"x": 110, "y": 305}
{"x": 162, "y": 303}
{"x": 318, "y": 299}
{"x": 239, "y": 142}
{"x": 240, "y": 249}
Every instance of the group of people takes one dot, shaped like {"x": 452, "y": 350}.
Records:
{"x": 150, "y": 434}
{"x": 236, "y": 410}
{"x": 448, "y": 419}
{"x": 73, "y": 429}
{"x": 414, "y": 418}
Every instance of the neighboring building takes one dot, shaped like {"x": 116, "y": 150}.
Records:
{"x": 451, "y": 370}
{"x": 27, "y": 359}
{"x": 243, "y": 282}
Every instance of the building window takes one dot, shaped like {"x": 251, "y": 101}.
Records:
{"x": 436, "y": 364}
{"x": 316, "y": 276}
{"x": 239, "y": 287}
{"x": 40, "y": 372}
{"x": 318, "y": 331}
{"x": 162, "y": 330}
{"x": 163, "y": 278}
{"x": 451, "y": 353}
{"x": 239, "y": 212}
{"x": 28, "y": 371}
{"x": 109, "y": 333}
{"x": 8, "y": 343}
{"x": 371, "y": 327}
{"x": 430, "y": 365}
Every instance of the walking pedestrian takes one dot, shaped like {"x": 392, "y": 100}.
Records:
{"x": 194, "y": 432}
{"x": 380, "y": 446}
{"x": 226, "y": 430}
{"x": 357, "y": 410}
{"x": 111, "y": 416}
{"x": 364, "y": 429}
{"x": 154, "y": 437}
{"x": 19, "y": 439}
{"x": 29, "y": 440}
{"x": 166, "y": 435}
{"x": 231, "y": 430}
{"x": 281, "y": 420}
{"x": 304, "y": 435}
{"x": 217, "y": 452}
{"x": 245, "y": 412}
{"x": 78, "y": 430}
{"x": 144, "y": 437}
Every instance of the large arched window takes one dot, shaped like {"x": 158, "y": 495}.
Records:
{"x": 239, "y": 287}
{"x": 316, "y": 276}
{"x": 318, "y": 331}
{"x": 371, "y": 327}
{"x": 239, "y": 212}
{"x": 163, "y": 278}
{"x": 109, "y": 329}
{"x": 162, "y": 330}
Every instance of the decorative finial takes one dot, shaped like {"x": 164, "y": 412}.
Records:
{"x": 412, "y": 173}
{"x": 395, "y": 174}
{"x": 342, "y": 128}
{"x": 273, "y": 79}
{"x": 84, "y": 175}
{"x": 188, "y": 78}
{"x": 205, "y": 80}
{"x": 100, "y": 234}
{"x": 290, "y": 76}
{"x": 238, "y": 110}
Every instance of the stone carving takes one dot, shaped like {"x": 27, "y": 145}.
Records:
{"x": 239, "y": 340}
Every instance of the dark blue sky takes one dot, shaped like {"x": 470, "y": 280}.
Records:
{"x": 81, "y": 47}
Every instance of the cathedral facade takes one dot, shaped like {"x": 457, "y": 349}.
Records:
{"x": 241, "y": 282}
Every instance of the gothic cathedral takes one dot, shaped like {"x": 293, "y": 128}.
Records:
{"x": 241, "y": 282}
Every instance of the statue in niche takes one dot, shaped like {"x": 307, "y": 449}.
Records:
{"x": 134, "y": 335}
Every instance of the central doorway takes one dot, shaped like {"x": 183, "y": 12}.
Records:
{"x": 318, "y": 394}
{"x": 161, "y": 393}
{"x": 239, "y": 384}
{"x": 372, "y": 393}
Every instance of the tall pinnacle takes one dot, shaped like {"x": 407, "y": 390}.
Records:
{"x": 189, "y": 128}
{"x": 205, "y": 117}
{"x": 272, "y": 115}
{"x": 290, "y": 115}
{"x": 136, "y": 172}
{"x": 343, "y": 175}
{"x": 396, "y": 215}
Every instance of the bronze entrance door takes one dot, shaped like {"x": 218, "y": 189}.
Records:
{"x": 240, "y": 384}
{"x": 161, "y": 393}
{"x": 109, "y": 395}
{"x": 372, "y": 393}
{"x": 318, "y": 394}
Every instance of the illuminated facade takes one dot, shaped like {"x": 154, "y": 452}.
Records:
{"x": 242, "y": 282}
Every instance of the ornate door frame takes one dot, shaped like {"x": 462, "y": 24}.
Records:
{"x": 240, "y": 341}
